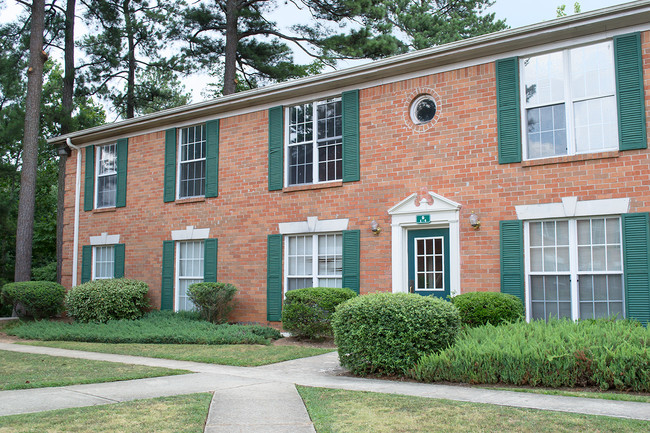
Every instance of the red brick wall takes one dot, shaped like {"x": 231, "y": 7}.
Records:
{"x": 457, "y": 158}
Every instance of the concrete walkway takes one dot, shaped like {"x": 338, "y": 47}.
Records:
{"x": 264, "y": 399}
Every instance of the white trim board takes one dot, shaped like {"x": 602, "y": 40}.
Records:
{"x": 572, "y": 207}
{"x": 190, "y": 233}
{"x": 104, "y": 239}
{"x": 313, "y": 225}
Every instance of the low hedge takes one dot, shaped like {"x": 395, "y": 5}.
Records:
{"x": 480, "y": 308}
{"x": 307, "y": 312}
{"x": 213, "y": 300}
{"x": 104, "y": 300}
{"x": 388, "y": 333}
{"x": 560, "y": 353}
{"x": 37, "y": 299}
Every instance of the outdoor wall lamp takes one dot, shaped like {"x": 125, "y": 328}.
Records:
{"x": 474, "y": 221}
{"x": 64, "y": 151}
{"x": 374, "y": 226}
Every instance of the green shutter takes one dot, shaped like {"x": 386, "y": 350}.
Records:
{"x": 274, "y": 278}
{"x": 276, "y": 148}
{"x": 350, "y": 103}
{"x": 86, "y": 263}
{"x": 212, "y": 159}
{"x": 508, "y": 113}
{"x": 630, "y": 98}
{"x": 351, "y": 250}
{"x": 636, "y": 266}
{"x": 167, "y": 286}
{"x": 118, "y": 257}
{"x": 210, "y": 261}
{"x": 170, "y": 165}
{"x": 122, "y": 162}
{"x": 89, "y": 190}
{"x": 512, "y": 258}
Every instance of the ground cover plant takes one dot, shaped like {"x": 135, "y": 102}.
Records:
{"x": 104, "y": 300}
{"x": 214, "y": 301}
{"x": 386, "y": 333}
{"x": 340, "y": 411}
{"x": 242, "y": 355}
{"x": 480, "y": 308}
{"x": 307, "y": 312}
{"x": 604, "y": 353}
{"x": 38, "y": 299}
{"x": 28, "y": 370}
{"x": 163, "y": 327}
{"x": 178, "y": 414}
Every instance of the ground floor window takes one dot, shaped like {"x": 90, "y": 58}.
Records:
{"x": 575, "y": 268}
{"x": 103, "y": 262}
{"x": 190, "y": 270}
{"x": 314, "y": 261}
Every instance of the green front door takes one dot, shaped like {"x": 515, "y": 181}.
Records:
{"x": 428, "y": 271}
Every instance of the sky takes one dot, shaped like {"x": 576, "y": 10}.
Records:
{"x": 517, "y": 13}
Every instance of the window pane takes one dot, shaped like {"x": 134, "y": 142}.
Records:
{"x": 104, "y": 262}
{"x": 546, "y": 131}
{"x": 592, "y": 70}
{"x": 192, "y": 161}
{"x": 543, "y": 78}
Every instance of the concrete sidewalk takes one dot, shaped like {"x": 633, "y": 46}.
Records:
{"x": 270, "y": 390}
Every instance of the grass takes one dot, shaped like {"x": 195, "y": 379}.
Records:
{"x": 243, "y": 355}
{"x": 342, "y": 411}
{"x": 26, "y": 370}
{"x": 161, "y": 327}
{"x": 178, "y": 414}
{"x": 641, "y": 398}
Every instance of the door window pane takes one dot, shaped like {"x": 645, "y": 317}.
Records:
{"x": 429, "y": 268}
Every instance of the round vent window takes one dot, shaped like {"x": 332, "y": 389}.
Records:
{"x": 423, "y": 109}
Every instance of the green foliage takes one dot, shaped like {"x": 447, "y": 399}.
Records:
{"x": 213, "y": 300}
{"x": 45, "y": 272}
{"x": 162, "y": 327}
{"x": 38, "y": 299}
{"x": 387, "y": 333}
{"x": 605, "y": 353}
{"x": 104, "y": 300}
{"x": 306, "y": 313}
{"x": 479, "y": 308}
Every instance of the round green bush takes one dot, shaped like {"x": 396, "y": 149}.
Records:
{"x": 307, "y": 312}
{"x": 480, "y": 308}
{"x": 37, "y": 299}
{"x": 104, "y": 300}
{"x": 213, "y": 300}
{"x": 387, "y": 333}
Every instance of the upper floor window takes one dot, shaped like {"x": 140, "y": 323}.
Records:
{"x": 192, "y": 161}
{"x": 315, "y": 142}
{"x": 569, "y": 102}
{"x": 106, "y": 176}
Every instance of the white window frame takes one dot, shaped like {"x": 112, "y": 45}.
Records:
{"x": 314, "y": 141}
{"x": 180, "y": 162}
{"x": 568, "y": 102}
{"x": 188, "y": 234}
{"x": 94, "y": 262}
{"x": 178, "y": 277}
{"x": 103, "y": 240}
{"x": 99, "y": 151}
{"x": 416, "y": 267}
{"x": 315, "y": 276}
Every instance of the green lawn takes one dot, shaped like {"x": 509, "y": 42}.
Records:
{"x": 179, "y": 414}
{"x": 243, "y": 355}
{"x": 26, "y": 370}
{"x": 339, "y": 411}
{"x": 620, "y": 396}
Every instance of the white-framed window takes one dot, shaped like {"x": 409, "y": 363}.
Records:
{"x": 189, "y": 265}
{"x": 106, "y": 169}
{"x": 574, "y": 268}
{"x": 192, "y": 161}
{"x": 314, "y": 142}
{"x": 103, "y": 262}
{"x": 429, "y": 264}
{"x": 568, "y": 101}
{"x": 313, "y": 260}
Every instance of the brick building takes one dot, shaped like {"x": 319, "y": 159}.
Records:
{"x": 514, "y": 162}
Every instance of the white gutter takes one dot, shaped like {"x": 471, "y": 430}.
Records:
{"x": 75, "y": 250}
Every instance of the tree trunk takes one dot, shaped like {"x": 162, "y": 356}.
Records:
{"x": 232, "y": 40}
{"x": 66, "y": 127}
{"x": 130, "y": 85}
{"x": 25, "y": 230}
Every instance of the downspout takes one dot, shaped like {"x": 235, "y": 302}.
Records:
{"x": 75, "y": 250}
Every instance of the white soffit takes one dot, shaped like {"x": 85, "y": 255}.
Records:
{"x": 571, "y": 207}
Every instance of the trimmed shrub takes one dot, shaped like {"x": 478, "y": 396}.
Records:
{"x": 480, "y": 308}
{"x": 45, "y": 273}
{"x": 37, "y": 299}
{"x": 387, "y": 333}
{"x": 104, "y": 300}
{"x": 560, "y": 353}
{"x": 307, "y": 312}
{"x": 213, "y": 300}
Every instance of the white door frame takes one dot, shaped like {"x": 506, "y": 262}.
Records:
{"x": 443, "y": 213}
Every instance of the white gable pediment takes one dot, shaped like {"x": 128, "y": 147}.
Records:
{"x": 427, "y": 202}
